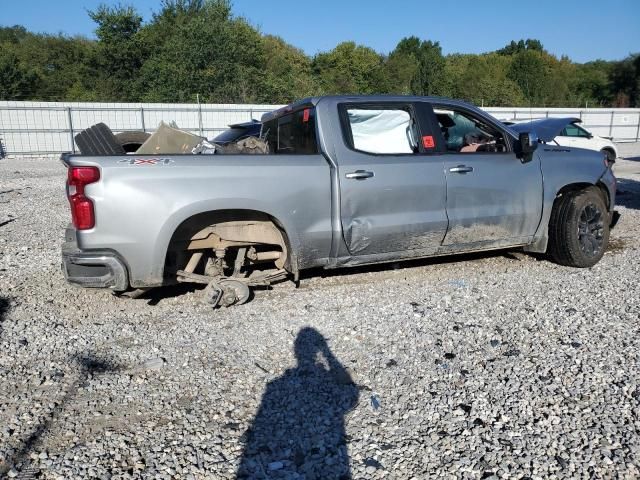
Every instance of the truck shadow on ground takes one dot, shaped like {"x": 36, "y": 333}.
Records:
{"x": 628, "y": 193}
{"x": 299, "y": 426}
{"x": 5, "y": 306}
{"x": 413, "y": 263}
{"x": 88, "y": 366}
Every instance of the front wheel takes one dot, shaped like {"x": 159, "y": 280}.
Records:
{"x": 579, "y": 228}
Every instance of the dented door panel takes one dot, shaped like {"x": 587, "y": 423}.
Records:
{"x": 498, "y": 203}
{"x": 400, "y": 208}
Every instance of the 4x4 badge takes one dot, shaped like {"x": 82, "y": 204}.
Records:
{"x": 146, "y": 161}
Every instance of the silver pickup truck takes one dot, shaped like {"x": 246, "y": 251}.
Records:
{"x": 348, "y": 180}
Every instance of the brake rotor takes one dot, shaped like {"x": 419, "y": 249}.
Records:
{"x": 235, "y": 287}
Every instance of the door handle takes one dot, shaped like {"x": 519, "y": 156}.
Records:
{"x": 359, "y": 175}
{"x": 461, "y": 169}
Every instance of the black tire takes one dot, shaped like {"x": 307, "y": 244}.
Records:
{"x": 579, "y": 228}
{"x": 131, "y": 141}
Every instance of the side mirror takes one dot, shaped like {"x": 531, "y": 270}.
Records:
{"x": 526, "y": 145}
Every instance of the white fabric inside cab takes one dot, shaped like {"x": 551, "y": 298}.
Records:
{"x": 380, "y": 131}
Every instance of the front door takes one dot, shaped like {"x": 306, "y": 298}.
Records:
{"x": 493, "y": 198}
{"x": 392, "y": 192}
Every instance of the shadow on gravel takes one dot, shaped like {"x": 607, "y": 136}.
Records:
{"x": 155, "y": 295}
{"x": 628, "y": 193}
{"x": 299, "y": 426}
{"x": 5, "y": 306}
{"x": 89, "y": 365}
{"x": 410, "y": 263}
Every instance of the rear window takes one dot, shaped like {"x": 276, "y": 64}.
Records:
{"x": 293, "y": 134}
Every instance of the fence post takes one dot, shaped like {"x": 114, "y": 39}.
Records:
{"x": 69, "y": 119}
{"x": 144, "y": 128}
{"x": 638, "y": 128}
{"x": 611, "y": 124}
{"x": 251, "y": 114}
{"x": 200, "y": 119}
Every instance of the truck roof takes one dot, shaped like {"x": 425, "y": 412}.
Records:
{"x": 313, "y": 101}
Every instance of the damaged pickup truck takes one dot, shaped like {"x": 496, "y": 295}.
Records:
{"x": 347, "y": 180}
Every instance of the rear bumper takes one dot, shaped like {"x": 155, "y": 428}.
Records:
{"x": 93, "y": 269}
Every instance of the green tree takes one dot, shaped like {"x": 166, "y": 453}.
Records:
{"x": 13, "y": 34}
{"x": 625, "y": 81}
{"x": 514, "y": 47}
{"x": 287, "y": 71}
{"x": 119, "y": 53}
{"x": 529, "y": 71}
{"x": 350, "y": 68}
{"x": 194, "y": 47}
{"x": 428, "y": 75}
{"x": 61, "y": 65}
{"x": 592, "y": 84}
{"x": 401, "y": 69}
{"x": 16, "y": 81}
{"x": 207, "y": 52}
{"x": 484, "y": 80}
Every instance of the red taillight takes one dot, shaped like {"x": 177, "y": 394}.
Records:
{"x": 82, "y": 213}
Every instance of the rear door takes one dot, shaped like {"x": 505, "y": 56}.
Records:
{"x": 493, "y": 199}
{"x": 392, "y": 192}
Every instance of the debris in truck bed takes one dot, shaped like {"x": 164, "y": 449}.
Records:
{"x": 204, "y": 147}
{"x": 250, "y": 145}
{"x": 98, "y": 140}
{"x": 167, "y": 140}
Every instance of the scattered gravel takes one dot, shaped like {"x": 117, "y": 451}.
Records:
{"x": 500, "y": 365}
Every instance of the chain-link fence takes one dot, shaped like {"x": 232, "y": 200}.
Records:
{"x": 39, "y": 128}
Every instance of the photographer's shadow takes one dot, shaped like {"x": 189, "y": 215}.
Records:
{"x": 299, "y": 426}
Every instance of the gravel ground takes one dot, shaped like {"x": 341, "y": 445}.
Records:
{"x": 486, "y": 366}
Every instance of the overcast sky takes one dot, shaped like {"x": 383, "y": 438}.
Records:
{"x": 583, "y": 30}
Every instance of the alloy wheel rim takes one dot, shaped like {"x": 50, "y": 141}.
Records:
{"x": 591, "y": 230}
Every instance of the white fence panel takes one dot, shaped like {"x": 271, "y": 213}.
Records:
{"x": 622, "y": 124}
{"x": 32, "y": 128}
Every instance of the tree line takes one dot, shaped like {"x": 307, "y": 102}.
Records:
{"x": 199, "y": 47}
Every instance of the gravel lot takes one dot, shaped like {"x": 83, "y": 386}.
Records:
{"x": 487, "y": 366}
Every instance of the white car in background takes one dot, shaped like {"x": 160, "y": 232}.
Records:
{"x": 566, "y": 132}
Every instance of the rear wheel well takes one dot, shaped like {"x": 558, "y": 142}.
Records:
{"x": 228, "y": 230}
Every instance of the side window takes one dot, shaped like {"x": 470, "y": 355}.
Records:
{"x": 381, "y": 130}
{"x": 571, "y": 131}
{"x": 574, "y": 131}
{"x": 464, "y": 133}
{"x": 293, "y": 134}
